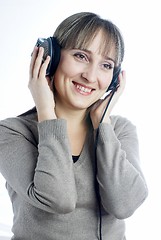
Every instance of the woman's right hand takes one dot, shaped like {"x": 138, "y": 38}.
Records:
{"x": 99, "y": 107}
{"x": 41, "y": 86}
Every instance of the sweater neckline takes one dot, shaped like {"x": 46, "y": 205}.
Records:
{"x": 75, "y": 158}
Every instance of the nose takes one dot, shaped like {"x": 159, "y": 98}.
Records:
{"x": 90, "y": 73}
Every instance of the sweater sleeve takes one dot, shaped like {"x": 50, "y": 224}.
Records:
{"x": 121, "y": 182}
{"x": 42, "y": 174}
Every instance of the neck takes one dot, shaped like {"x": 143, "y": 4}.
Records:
{"x": 74, "y": 118}
{"x": 76, "y": 127}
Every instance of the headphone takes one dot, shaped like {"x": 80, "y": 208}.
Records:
{"x": 52, "y": 49}
{"x": 115, "y": 82}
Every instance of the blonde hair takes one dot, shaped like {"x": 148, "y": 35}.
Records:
{"x": 78, "y": 30}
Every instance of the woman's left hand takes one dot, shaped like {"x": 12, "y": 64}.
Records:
{"x": 98, "y": 108}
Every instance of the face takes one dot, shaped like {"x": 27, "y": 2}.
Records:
{"x": 83, "y": 75}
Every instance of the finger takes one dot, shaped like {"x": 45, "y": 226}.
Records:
{"x": 44, "y": 66}
{"x": 95, "y": 105}
{"x": 122, "y": 79}
{"x": 105, "y": 102}
{"x": 100, "y": 107}
{"x": 38, "y": 63}
{"x": 32, "y": 62}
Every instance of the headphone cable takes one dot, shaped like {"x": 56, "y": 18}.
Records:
{"x": 96, "y": 168}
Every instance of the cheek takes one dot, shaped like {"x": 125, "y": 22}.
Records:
{"x": 63, "y": 72}
{"x": 105, "y": 82}
{"x": 66, "y": 68}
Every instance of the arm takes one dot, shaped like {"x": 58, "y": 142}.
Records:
{"x": 42, "y": 175}
{"x": 121, "y": 182}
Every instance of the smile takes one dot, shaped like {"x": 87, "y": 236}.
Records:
{"x": 83, "y": 89}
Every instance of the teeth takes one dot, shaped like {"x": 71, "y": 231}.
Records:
{"x": 83, "y": 89}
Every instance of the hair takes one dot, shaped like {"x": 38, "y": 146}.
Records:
{"x": 78, "y": 30}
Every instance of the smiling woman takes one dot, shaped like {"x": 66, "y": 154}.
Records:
{"x": 72, "y": 169}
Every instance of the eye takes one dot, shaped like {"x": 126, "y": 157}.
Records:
{"x": 107, "y": 66}
{"x": 80, "y": 56}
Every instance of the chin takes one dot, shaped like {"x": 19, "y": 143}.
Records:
{"x": 80, "y": 106}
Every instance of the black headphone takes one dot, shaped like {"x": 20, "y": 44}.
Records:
{"x": 51, "y": 48}
{"x": 115, "y": 82}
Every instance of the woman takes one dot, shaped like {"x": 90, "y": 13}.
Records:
{"x": 72, "y": 170}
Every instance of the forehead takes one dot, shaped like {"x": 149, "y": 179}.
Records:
{"x": 101, "y": 45}
{"x": 82, "y": 39}
{"x": 79, "y": 30}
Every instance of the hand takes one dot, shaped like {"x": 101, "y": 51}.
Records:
{"x": 98, "y": 108}
{"x": 41, "y": 86}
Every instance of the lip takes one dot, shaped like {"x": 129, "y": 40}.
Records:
{"x": 83, "y": 89}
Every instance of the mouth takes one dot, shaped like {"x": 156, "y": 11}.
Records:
{"x": 83, "y": 89}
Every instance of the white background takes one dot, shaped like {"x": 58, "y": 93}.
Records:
{"x": 23, "y": 21}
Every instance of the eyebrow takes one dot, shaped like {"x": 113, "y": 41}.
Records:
{"x": 88, "y": 51}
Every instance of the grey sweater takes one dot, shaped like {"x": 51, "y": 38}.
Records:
{"x": 54, "y": 198}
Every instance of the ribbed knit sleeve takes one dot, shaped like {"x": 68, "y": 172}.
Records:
{"x": 41, "y": 173}
{"x": 121, "y": 182}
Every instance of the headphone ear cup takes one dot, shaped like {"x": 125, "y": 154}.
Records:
{"x": 114, "y": 82}
{"x": 48, "y": 52}
{"x": 52, "y": 49}
{"x": 46, "y": 44}
{"x": 54, "y": 52}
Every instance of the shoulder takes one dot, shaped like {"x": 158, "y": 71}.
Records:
{"x": 122, "y": 124}
{"x": 22, "y": 125}
{"x": 120, "y": 120}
